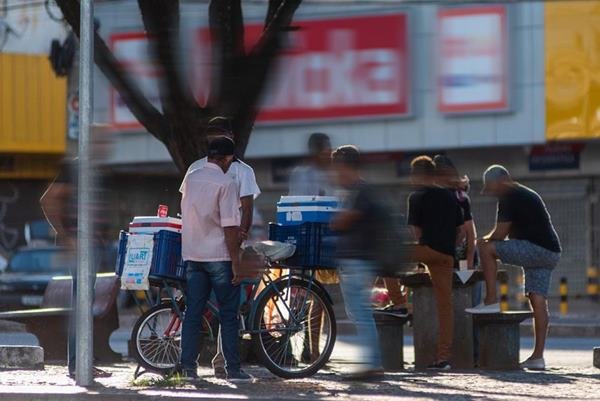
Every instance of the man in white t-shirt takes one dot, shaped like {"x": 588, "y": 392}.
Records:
{"x": 244, "y": 177}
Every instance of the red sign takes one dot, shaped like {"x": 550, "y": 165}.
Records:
{"x": 473, "y": 59}
{"x": 334, "y": 68}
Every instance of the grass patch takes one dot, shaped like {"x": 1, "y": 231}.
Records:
{"x": 175, "y": 380}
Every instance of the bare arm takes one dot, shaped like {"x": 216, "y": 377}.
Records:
{"x": 247, "y": 211}
{"x": 54, "y": 203}
{"x": 471, "y": 233}
{"x": 499, "y": 233}
{"x": 233, "y": 246}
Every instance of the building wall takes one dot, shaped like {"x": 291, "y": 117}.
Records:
{"x": 426, "y": 128}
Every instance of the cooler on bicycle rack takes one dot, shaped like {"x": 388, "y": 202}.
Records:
{"x": 166, "y": 261}
{"x": 304, "y": 222}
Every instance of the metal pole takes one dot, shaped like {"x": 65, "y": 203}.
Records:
{"x": 83, "y": 307}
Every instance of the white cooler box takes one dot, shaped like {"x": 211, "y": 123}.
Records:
{"x": 294, "y": 210}
{"x": 154, "y": 224}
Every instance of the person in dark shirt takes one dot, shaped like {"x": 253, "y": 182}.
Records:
{"x": 355, "y": 252}
{"x": 435, "y": 218}
{"x": 532, "y": 243}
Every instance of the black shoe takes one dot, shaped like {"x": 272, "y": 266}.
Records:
{"x": 443, "y": 365}
{"x": 186, "y": 374}
{"x": 239, "y": 377}
{"x": 96, "y": 372}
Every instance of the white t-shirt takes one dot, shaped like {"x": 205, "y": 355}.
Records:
{"x": 241, "y": 173}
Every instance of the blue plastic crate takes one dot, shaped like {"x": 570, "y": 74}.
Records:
{"x": 166, "y": 256}
{"x": 123, "y": 235}
{"x": 327, "y": 248}
{"x": 304, "y": 237}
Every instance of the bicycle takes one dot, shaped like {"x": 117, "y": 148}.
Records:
{"x": 289, "y": 320}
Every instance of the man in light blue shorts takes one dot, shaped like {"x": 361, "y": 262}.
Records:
{"x": 532, "y": 243}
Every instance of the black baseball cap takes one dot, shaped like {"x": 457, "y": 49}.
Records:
{"x": 221, "y": 146}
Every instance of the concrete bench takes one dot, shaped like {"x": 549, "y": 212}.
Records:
{"x": 499, "y": 339}
{"x": 390, "y": 327}
{"x": 50, "y": 323}
{"x": 425, "y": 322}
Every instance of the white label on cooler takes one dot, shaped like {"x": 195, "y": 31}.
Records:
{"x": 138, "y": 260}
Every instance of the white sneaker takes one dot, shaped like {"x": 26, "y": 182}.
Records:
{"x": 483, "y": 308}
{"x": 533, "y": 364}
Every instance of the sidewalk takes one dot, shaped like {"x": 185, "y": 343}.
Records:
{"x": 570, "y": 377}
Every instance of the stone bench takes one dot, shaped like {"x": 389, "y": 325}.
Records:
{"x": 499, "y": 339}
{"x": 390, "y": 327}
{"x": 425, "y": 322}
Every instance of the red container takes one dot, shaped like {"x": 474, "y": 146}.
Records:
{"x": 163, "y": 211}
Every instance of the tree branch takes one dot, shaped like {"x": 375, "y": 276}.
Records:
{"x": 259, "y": 64}
{"x": 135, "y": 100}
{"x": 227, "y": 33}
{"x": 161, "y": 21}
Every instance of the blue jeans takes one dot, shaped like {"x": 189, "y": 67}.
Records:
{"x": 356, "y": 281}
{"x": 202, "y": 278}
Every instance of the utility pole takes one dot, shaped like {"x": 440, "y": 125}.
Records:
{"x": 85, "y": 268}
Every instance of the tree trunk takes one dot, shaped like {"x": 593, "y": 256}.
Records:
{"x": 238, "y": 81}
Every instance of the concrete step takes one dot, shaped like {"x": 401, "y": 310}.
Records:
{"x": 22, "y": 357}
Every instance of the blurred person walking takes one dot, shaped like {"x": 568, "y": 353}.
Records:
{"x": 245, "y": 179}
{"x": 313, "y": 178}
{"x": 210, "y": 242}
{"x": 532, "y": 243}
{"x": 435, "y": 219}
{"x": 356, "y": 253}
{"x": 59, "y": 205}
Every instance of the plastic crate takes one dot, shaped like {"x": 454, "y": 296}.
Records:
{"x": 304, "y": 237}
{"x": 166, "y": 256}
{"x": 123, "y": 235}
{"x": 327, "y": 249}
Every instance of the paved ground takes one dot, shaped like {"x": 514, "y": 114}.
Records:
{"x": 570, "y": 377}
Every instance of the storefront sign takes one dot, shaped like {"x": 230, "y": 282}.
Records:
{"x": 346, "y": 67}
{"x": 563, "y": 156}
{"x": 473, "y": 59}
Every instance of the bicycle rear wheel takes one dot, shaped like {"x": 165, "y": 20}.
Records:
{"x": 294, "y": 328}
{"x": 156, "y": 337}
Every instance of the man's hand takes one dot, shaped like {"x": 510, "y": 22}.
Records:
{"x": 243, "y": 236}
{"x": 235, "y": 267}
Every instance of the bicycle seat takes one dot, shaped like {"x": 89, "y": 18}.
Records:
{"x": 274, "y": 250}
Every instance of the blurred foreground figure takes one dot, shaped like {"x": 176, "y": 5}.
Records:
{"x": 59, "y": 204}
{"x": 532, "y": 243}
{"x": 435, "y": 218}
{"x": 355, "y": 250}
{"x": 313, "y": 177}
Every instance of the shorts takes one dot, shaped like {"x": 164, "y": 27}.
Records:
{"x": 537, "y": 262}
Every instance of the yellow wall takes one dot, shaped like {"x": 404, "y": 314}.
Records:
{"x": 32, "y": 106}
{"x": 572, "y": 51}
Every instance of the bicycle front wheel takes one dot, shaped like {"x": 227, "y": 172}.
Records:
{"x": 294, "y": 328}
{"x": 156, "y": 337}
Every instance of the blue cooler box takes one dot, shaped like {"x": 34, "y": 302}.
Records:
{"x": 166, "y": 256}
{"x": 295, "y": 210}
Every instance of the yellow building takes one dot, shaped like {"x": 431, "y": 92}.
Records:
{"x": 572, "y": 58}
{"x": 32, "y": 117}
